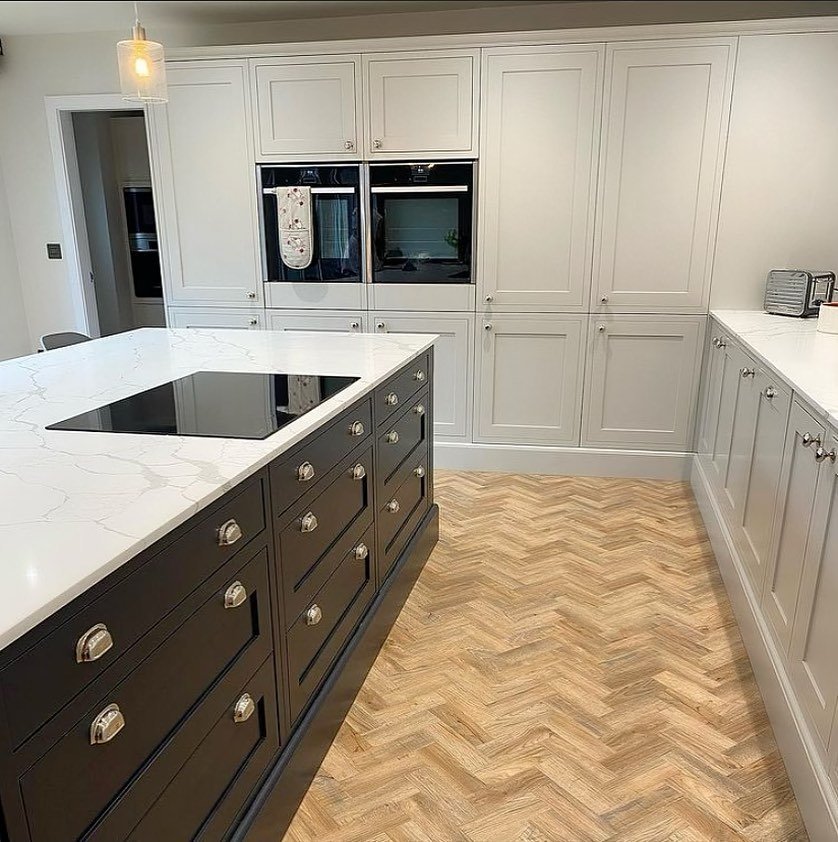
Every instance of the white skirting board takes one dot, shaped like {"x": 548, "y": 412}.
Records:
{"x": 562, "y": 461}
{"x": 815, "y": 797}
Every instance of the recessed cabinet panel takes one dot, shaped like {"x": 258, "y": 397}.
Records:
{"x": 307, "y": 107}
{"x": 663, "y": 139}
{"x": 712, "y": 389}
{"x": 792, "y": 517}
{"x": 422, "y": 102}
{"x": 540, "y": 128}
{"x": 325, "y": 321}
{"x": 732, "y": 359}
{"x": 741, "y": 436}
{"x": 642, "y": 382}
{"x": 529, "y": 377}
{"x": 204, "y": 190}
{"x": 215, "y": 317}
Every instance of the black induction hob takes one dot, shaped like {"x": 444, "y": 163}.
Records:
{"x": 226, "y": 404}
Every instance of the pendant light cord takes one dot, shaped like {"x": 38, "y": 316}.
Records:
{"x": 136, "y": 13}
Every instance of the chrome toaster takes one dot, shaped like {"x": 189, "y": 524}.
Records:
{"x": 797, "y": 292}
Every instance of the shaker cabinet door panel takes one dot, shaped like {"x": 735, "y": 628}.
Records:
{"x": 215, "y": 317}
{"x": 424, "y": 103}
{"x": 307, "y": 107}
{"x": 642, "y": 382}
{"x": 529, "y": 379}
{"x": 324, "y": 321}
{"x": 732, "y": 359}
{"x": 540, "y": 130}
{"x": 204, "y": 186}
{"x": 663, "y": 139}
{"x": 711, "y": 389}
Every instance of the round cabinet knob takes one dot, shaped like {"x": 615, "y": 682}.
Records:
{"x": 392, "y": 437}
{"x": 361, "y": 552}
{"x": 601, "y": 328}
{"x": 380, "y": 325}
{"x": 419, "y": 409}
{"x": 747, "y": 372}
{"x": 769, "y": 392}
{"x": 487, "y": 326}
{"x": 94, "y": 643}
{"x": 308, "y": 522}
{"x": 305, "y": 472}
{"x": 393, "y": 506}
{"x": 376, "y": 144}
{"x": 490, "y": 298}
{"x": 419, "y": 472}
{"x": 357, "y": 429}
{"x": 244, "y": 708}
{"x": 603, "y": 299}
{"x": 228, "y": 533}
{"x": 314, "y": 615}
{"x": 235, "y": 595}
{"x": 419, "y": 376}
{"x": 715, "y": 341}
{"x": 354, "y": 325}
{"x": 807, "y": 439}
{"x": 392, "y": 399}
{"x": 349, "y": 145}
{"x": 722, "y": 344}
{"x": 254, "y": 322}
{"x": 359, "y": 471}
{"x": 251, "y": 294}
{"x": 821, "y": 454}
{"x": 106, "y": 725}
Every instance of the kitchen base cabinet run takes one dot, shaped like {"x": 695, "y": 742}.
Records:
{"x": 193, "y": 693}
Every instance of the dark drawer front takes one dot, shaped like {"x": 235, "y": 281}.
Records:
{"x": 71, "y": 785}
{"x": 317, "y": 523}
{"x": 397, "y": 392}
{"x": 294, "y": 476}
{"x": 44, "y": 679}
{"x": 216, "y": 780}
{"x": 400, "y": 514}
{"x": 319, "y": 634}
{"x": 402, "y": 435}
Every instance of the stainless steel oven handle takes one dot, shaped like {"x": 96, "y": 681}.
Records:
{"x": 423, "y": 188}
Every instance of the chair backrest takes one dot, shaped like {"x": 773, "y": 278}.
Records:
{"x": 51, "y": 341}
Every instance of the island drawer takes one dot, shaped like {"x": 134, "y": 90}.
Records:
{"x": 400, "y": 437}
{"x": 318, "y": 520}
{"x": 319, "y": 634}
{"x": 400, "y": 513}
{"x": 50, "y": 674}
{"x": 75, "y": 781}
{"x": 294, "y": 475}
{"x": 397, "y": 391}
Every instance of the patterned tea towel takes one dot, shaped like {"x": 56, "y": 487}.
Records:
{"x": 295, "y": 226}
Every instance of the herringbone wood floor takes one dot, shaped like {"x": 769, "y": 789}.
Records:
{"x": 567, "y": 668}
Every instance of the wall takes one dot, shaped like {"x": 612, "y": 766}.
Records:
{"x": 14, "y": 335}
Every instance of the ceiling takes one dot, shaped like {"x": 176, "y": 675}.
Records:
{"x": 41, "y": 18}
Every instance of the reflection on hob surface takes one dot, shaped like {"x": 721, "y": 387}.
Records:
{"x": 227, "y": 404}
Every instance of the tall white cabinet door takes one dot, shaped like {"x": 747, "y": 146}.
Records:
{"x": 711, "y": 389}
{"x": 424, "y": 103}
{"x": 307, "y": 107}
{"x": 792, "y": 517}
{"x": 453, "y": 364}
{"x": 529, "y": 379}
{"x": 215, "y": 317}
{"x": 664, "y": 129}
{"x": 328, "y": 322}
{"x": 540, "y": 125}
{"x": 642, "y": 382}
{"x": 204, "y": 186}
{"x": 732, "y": 359}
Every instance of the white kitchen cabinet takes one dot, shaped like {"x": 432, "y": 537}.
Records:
{"x": 334, "y": 321}
{"x": 215, "y": 317}
{"x": 529, "y": 379}
{"x": 539, "y": 135}
{"x": 792, "y": 518}
{"x": 453, "y": 364}
{"x": 721, "y": 423}
{"x": 204, "y": 186}
{"x": 642, "y": 381}
{"x": 422, "y": 103}
{"x": 307, "y": 107}
{"x": 663, "y": 140}
{"x": 711, "y": 390}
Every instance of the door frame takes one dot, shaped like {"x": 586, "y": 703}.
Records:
{"x": 59, "y": 112}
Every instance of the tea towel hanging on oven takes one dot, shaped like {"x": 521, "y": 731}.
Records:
{"x": 295, "y": 226}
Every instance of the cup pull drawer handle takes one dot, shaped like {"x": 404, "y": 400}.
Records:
{"x": 314, "y": 615}
{"x": 94, "y": 643}
{"x": 305, "y": 472}
{"x": 308, "y": 522}
{"x": 235, "y": 595}
{"x": 106, "y": 725}
{"x": 244, "y": 708}
{"x": 359, "y": 471}
{"x": 228, "y": 533}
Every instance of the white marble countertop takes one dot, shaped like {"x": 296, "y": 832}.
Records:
{"x": 74, "y": 506}
{"x": 804, "y": 359}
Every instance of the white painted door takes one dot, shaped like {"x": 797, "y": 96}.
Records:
{"x": 664, "y": 128}
{"x": 642, "y": 381}
{"x": 307, "y": 107}
{"x": 215, "y": 317}
{"x": 813, "y": 664}
{"x": 423, "y": 103}
{"x": 529, "y": 379}
{"x": 711, "y": 390}
{"x": 741, "y": 436}
{"x": 204, "y": 186}
{"x": 539, "y": 132}
{"x": 730, "y": 380}
{"x": 453, "y": 364}
{"x": 792, "y": 518}
{"x": 328, "y": 322}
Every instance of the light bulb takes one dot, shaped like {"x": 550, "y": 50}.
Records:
{"x": 141, "y": 67}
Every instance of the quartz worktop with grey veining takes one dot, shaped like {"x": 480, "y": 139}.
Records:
{"x": 74, "y": 506}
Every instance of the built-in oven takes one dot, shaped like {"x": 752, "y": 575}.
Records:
{"x": 421, "y": 222}
{"x": 331, "y": 228}
{"x": 142, "y": 241}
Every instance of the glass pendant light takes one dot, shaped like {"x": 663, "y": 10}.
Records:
{"x": 142, "y": 67}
